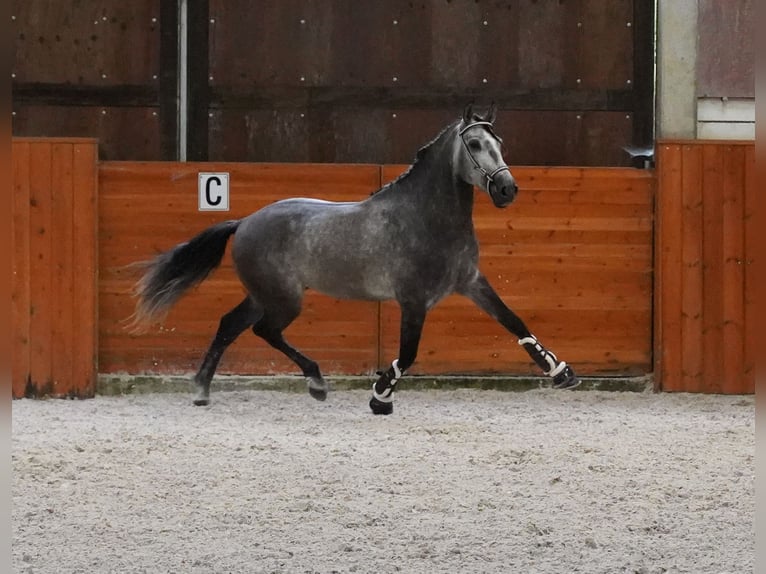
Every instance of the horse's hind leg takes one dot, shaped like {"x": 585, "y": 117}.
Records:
{"x": 482, "y": 293}
{"x": 230, "y": 327}
{"x": 278, "y": 314}
{"x": 317, "y": 385}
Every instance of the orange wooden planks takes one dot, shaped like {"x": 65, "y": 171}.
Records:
{"x": 712, "y": 321}
{"x": 52, "y": 267}
{"x": 40, "y": 280}
{"x": 750, "y": 283}
{"x": 150, "y": 207}
{"x": 669, "y": 272}
{"x": 691, "y": 293}
{"x": 703, "y": 268}
{"x": 574, "y": 250}
{"x": 85, "y": 237}
{"x": 62, "y": 269}
{"x": 733, "y": 253}
{"x": 576, "y": 244}
{"x": 20, "y": 287}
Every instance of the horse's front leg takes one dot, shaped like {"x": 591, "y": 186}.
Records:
{"x": 482, "y": 293}
{"x": 413, "y": 317}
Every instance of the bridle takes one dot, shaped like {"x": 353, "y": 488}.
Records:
{"x": 490, "y": 176}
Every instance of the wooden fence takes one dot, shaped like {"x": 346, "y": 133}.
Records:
{"x": 704, "y": 288}
{"x": 149, "y": 207}
{"x": 573, "y": 256}
{"x": 53, "y": 287}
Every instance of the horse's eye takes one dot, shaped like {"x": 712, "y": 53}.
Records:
{"x": 475, "y": 145}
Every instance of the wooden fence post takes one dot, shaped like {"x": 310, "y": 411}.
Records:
{"x": 53, "y": 298}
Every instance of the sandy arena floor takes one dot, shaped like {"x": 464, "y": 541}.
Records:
{"x": 455, "y": 481}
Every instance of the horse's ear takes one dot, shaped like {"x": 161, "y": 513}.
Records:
{"x": 491, "y": 113}
{"x": 468, "y": 114}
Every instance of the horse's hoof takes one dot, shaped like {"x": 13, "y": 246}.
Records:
{"x": 381, "y": 408}
{"x": 318, "y": 394}
{"x": 566, "y": 379}
{"x": 318, "y": 389}
{"x": 201, "y": 402}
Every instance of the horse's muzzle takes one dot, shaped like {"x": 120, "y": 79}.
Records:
{"x": 504, "y": 193}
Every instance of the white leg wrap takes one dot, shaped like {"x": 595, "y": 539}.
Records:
{"x": 387, "y": 396}
{"x": 562, "y": 365}
{"x": 554, "y": 367}
{"x": 397, "y": 371}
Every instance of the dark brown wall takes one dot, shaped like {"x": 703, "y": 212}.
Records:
{"x": 336, "y": 80}
{"x": 348, "y": 81}
{"x": 96, "y": 69}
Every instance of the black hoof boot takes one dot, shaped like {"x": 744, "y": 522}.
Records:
{"x": 381, "y": 408}
{"x": 566, "y": 379}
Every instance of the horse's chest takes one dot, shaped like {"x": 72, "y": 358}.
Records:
{"x": 440, "y": 272}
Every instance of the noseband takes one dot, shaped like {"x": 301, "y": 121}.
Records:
{"x": 490, "y": 176}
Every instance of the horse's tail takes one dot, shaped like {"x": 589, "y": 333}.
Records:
{"x": 170, "y": 274}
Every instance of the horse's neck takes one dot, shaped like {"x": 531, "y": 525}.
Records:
{"x": 433, "y": 193}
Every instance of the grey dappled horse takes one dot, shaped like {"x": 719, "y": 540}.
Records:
{"x": 413, "y": 241}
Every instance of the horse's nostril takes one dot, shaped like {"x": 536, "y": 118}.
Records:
{"x": 509, "y": 190}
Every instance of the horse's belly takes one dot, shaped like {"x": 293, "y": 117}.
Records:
{"x": 351, "y": 286}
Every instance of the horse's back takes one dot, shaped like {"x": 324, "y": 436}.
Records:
{"x": 333, "y": 247}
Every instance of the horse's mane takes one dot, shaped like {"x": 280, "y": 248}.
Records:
{"x": 420, "y": 156}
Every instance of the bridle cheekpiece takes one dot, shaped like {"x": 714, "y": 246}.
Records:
{"x": 490, "y": 176}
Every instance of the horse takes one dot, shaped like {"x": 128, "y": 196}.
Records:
{"x": 411, "y": 241}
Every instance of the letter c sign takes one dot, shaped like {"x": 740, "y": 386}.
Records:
{"x": 213, "y": 191}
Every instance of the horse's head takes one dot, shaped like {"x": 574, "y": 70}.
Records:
{"x": 478, "y": 159}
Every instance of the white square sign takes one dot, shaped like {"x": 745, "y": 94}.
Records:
{"x": 213, "y": 191}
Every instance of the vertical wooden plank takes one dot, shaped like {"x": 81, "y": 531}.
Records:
{"x": 669, "y": 228}
{"x": 712, "y": 320}
{"x": 20, "y": 367}
{"x": 40, "y": 267}
{"x": 692, "y": 291}
{"x": 733, "y": 251}
{"x": 749, "y": 287}
{"x": 85, "y": 235}
{"x": 61, "y": 268}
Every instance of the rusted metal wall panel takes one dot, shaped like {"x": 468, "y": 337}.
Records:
{"x": 125, "y": 133}
{"x": 726, "y": 54}
{"x": 105, "y": 43}
{"x": 331, "y": 81}
{"x": 92, "y": 69}
{"x": 345, "y": 81}
{"x": 603, "y": 53}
